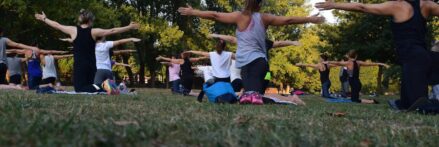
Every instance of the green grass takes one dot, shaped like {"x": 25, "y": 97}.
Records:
{"x": 155, "y": 117}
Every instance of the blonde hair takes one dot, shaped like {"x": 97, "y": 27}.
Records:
{"x": 85, "y": 16}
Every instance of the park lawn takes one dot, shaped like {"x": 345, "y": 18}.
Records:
{"x": 156, "y": 117}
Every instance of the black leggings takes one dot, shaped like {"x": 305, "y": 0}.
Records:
{"x": 355, "y": 89}
{"x": 253, "y": 75}
{"x": 187, "y": 82}
{"x": 83, "y": 77}
{"x": 201, "y": 95}
{"x": 3, "y": 70}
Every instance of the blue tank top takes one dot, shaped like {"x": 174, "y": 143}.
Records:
{"x": 413, "y": 31}
{"x": 34, "y": 66}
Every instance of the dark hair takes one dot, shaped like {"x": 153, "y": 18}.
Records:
{"x": 176, "y": 56}
{"x": 1, "y": 31}
{"x": 324, "y": 57}
{"x": 85, "y": 16}
{"x": 352, "y": 54}
{"x": 220, "y": 46}
{"x": 100, "y": 38}
{"x": 251, "y": 6}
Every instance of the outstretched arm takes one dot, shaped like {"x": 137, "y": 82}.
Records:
{"x": 362, "y": 63}
{"x": 198, "y": 59}
{"x": 108, "y": 32}
{"x": 19, "y": 45}
{"x": 227, "y": 38}
{"x": 288, "y": 20}
{"x": 124, "y": 41}
{"x": 389, "y": 8}
{"x": 69, "y": 40}
{"x": 200, "y": 53}
{"x": 16, "y": 51}
{"x": 62, "y": 56}
{"x": 53, "y": 52}
{"x": 433, "y": 7}
{"x": 121, "y": 64}
{"x": 174, "y": 61}
{"x": 166, "y": 63}
{"x": 229, "y": 18}
{"x": 279, "y": 44}
{"x": 308, "y": 65}
{"x": 123, "y": 52}
{"x": 70, "y": 30}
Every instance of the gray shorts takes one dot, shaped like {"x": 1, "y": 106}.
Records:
{"x": 102, "y": 75}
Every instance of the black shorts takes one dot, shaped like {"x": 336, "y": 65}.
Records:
{"x": 49, "y": 80}
{"x": 15, "y": 79}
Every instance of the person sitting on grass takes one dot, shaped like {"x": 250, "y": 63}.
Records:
{"x": 174, "y": 75}
{"x": 324, "y": 70}
{"x": 4, "y": 43}
{"x": 14, "y": 63}
{"x": 187, "y": 73}
{"x": 353, "y": 66}
{"x": 84, "y": 44}
{"x": 50, "y": 74}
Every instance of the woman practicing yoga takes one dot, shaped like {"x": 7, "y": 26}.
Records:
{"x": 353, "y": 66}
{"x": 4, "y": 43}
{"x": 187, "y": 73}
{"x": 84, "y": 67}
{"x": 251, "y": 55}
{"x": 104, "y": 66}
{"x": 15, "y": 69}
{"x": 174, "y": 75}
{"x": 409, "y": 27}
{"x": 221, "y": 62}
{"x": 50, "y": 74}
{"x": 324, "y": 70}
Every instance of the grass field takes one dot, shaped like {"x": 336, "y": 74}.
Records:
{"x": 156, "y": 118}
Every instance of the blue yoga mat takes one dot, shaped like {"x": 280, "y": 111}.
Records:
{"x": 329, "y": 100}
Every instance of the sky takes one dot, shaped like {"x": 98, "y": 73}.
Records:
{"x": 327, "y": 14}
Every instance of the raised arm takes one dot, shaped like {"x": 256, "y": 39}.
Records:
{"x": 389, "y": 8}
{"x": 229, "y": 18}
{"x": 11, "y": 43}
{"x": 200, "y": 53}
{"x": 279, "y": 44}
{"x": 227, "y": 38}
{"x": 124, "y": 41}
{"x": 174, "y": 61}
{"x": 288, "y": 20}
{"x": 107, "y": 32}
{"x": 123, "y": 52}
{"x": 62, "y": 56}
{"x": 70, "y": 30}
{"x": 308, "y": 65}
{"x": 362, "y": 63}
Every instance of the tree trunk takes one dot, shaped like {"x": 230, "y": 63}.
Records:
{"x": 379, "y": 79}
{"x": 125, "y": 59}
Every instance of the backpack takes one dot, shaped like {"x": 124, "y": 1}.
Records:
{"x": 220, "y": 92}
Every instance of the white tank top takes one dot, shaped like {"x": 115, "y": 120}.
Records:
{"x": 49, "y": 69}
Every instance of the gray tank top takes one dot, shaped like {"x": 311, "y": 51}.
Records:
{"x": 49, "y": 69}
{"x": 251, "y": 42}
{"x": 14, "y": 66}
{"x": 3, "y": 50}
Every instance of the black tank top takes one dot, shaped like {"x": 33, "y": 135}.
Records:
{"x": 84, "y": 48}
{"x": 186, "y": 69}
{"x": 324, "y": 75}
{"x": 412, "y": 31}
{"x": 356, "y": 71}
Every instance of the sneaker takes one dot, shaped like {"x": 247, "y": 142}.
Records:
{"x": 257, "y": 99}
{"x": 245, "y": 99}
{"x": 110, "y": 87}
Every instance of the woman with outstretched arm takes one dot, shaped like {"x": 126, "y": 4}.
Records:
{"x": 251, "y": 55}
{"x": 84, "y": 42}
{"x": 409, "y": 27}
{"x": 353, "y": 66}
{"x": 324, "y": 70}
{"x": 187, "y": 73}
